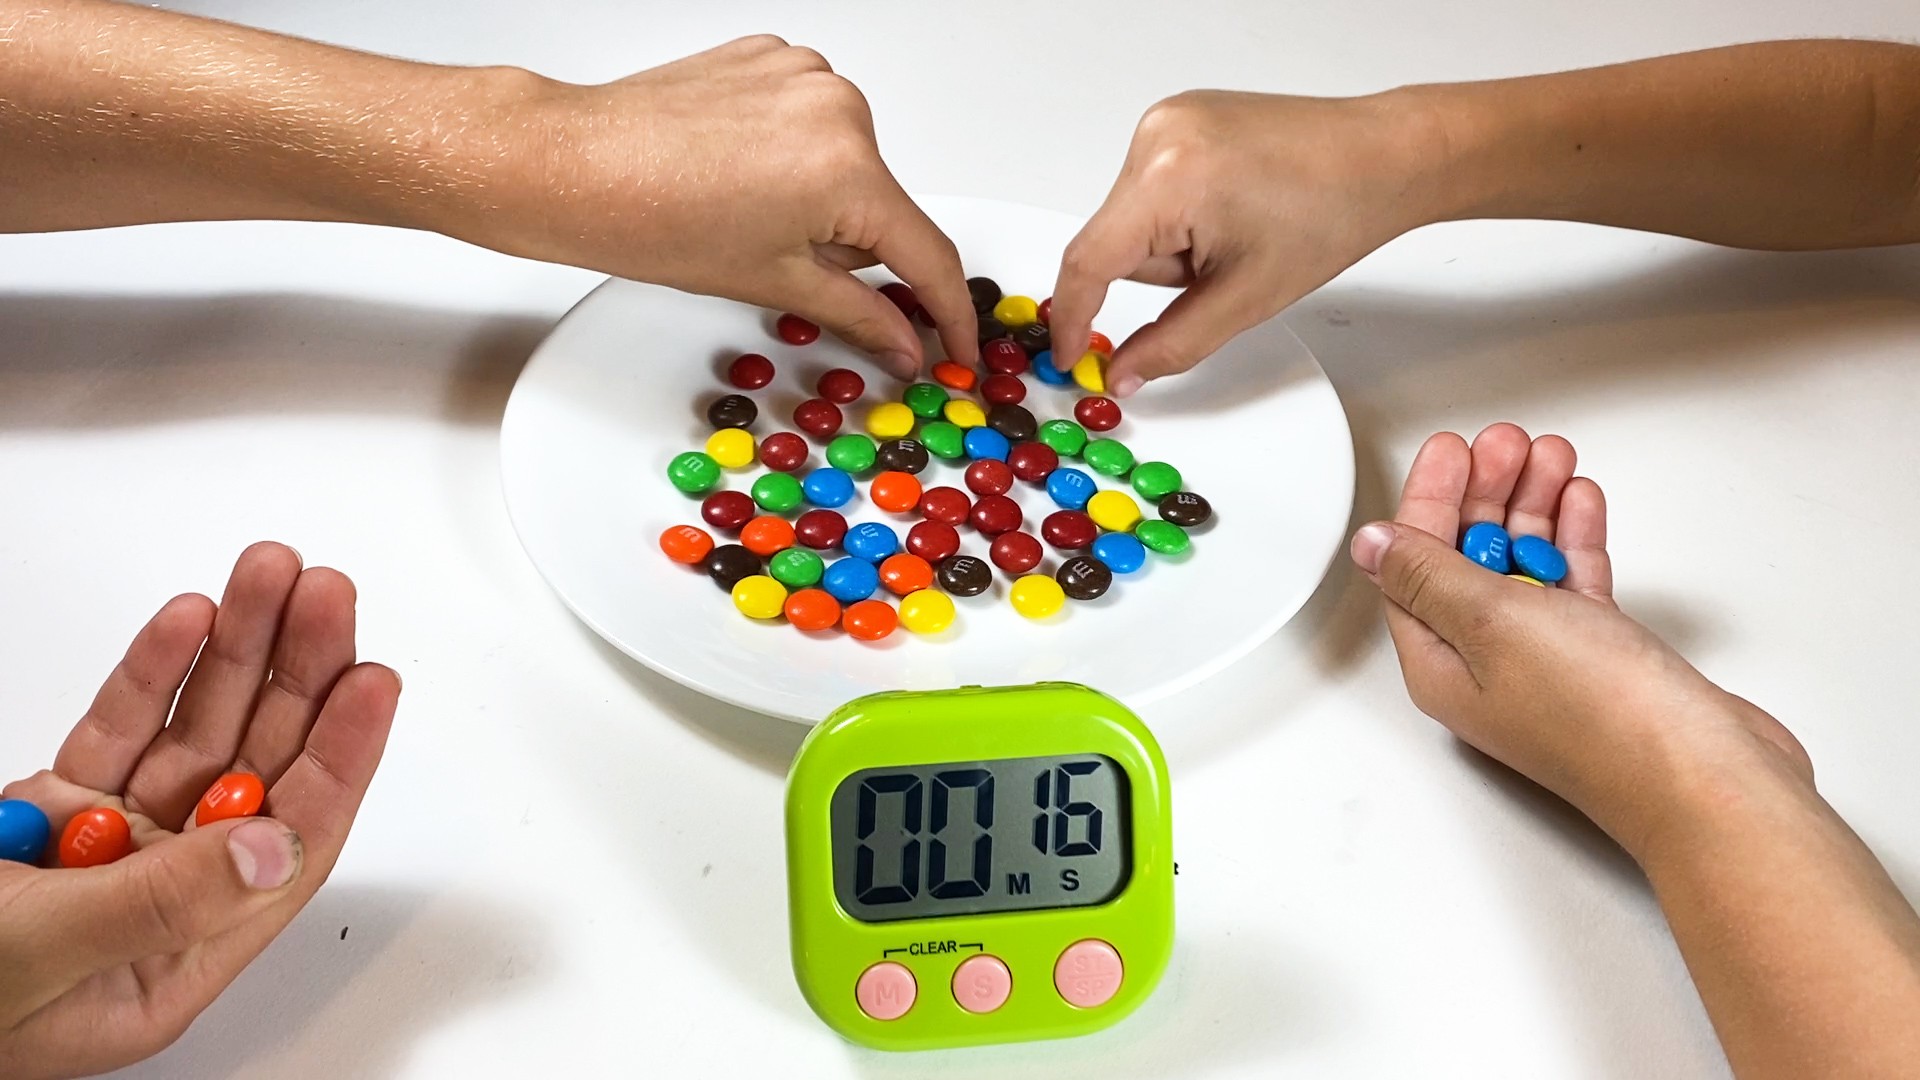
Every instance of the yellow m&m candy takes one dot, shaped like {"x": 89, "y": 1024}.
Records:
{"x": 1037, "y": 596}
{"x": 962, "y": 413}
{"x": 1528, "y": 580}
{"x": 1014, "y": 312}
{"x": 759, "y": 597}
{"x": 927, "y": 611}
{"x": 1090, "y": 372}
{"x": 890, "y": 421}
{"x": 731, "y": 447}
{"x": 1114, "y": 511}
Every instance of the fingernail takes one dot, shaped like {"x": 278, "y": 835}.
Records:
{"x": 1127, "y": 385}
{"x": 902, "y": 365}
{"x": 1369, "y": 544}
{"x": 266, "y": 853}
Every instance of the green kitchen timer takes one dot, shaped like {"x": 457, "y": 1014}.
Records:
{"x": 979, "y": 865}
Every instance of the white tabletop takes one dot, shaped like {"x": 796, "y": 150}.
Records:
{"x": 525, "y": 893}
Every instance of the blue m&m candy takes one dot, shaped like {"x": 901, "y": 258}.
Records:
{"x": 1121, "y": 552}
{"x": 1488, "y": 544}
{"x": 871, "y": 541}
{"x": 986, "y": 443}
{"x": 1539, "y": 559}
{"x": 850, "y": 580}
{"x": 1044, "y": 370}
{"x": 1071, "y": 488}
{"x": 23, "y": 831}
{"x": 828, "y": 487}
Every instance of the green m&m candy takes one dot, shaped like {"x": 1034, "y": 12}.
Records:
{"x": 1109, "y": 457}
{"x": 777, "y": 492}
{"x": 1162, "y": 536}
{"x": 853, "y": 453}
{"x": 1066, "y": 437}
{"x": 943, "y": 440}
{"x": 693, "y": 472}
{"x": 925, "y": 399}
{"x": 796, "y": 568}
{"x": 1155, "y": 480}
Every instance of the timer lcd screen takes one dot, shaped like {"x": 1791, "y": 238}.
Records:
{"x": 967, "y": 837}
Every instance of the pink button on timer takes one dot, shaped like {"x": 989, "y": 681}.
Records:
{"x": 981, "y": 983}
{"x": 886, "y": 991}
{"x": 1088, "y": 973}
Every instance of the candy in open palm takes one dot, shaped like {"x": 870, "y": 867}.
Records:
{"x": 120, "y": 958}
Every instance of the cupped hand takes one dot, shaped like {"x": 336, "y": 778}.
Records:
{"x": 1247, "y": 202}
{"x": 749, "y": 171}
{"x": 106, "y": 965}
{"x": 1557, "y": 683}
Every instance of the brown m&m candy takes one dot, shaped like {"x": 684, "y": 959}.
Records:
{"x": 1013, "y": 421}
{"x": 1185, "y": 509}
{"x": 964, "y": 575}
{"x": 984, "y": 291}
{"x": 728, "y": 563}
{"x": 902, "y": 455}
{"x": 734, "y": 410}
{"x": 1084, "y": 577}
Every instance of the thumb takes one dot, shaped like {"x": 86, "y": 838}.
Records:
{"x": 1428, "y": 579}
{"x": 174, "y": 894}
{"x": 858, "y": 314}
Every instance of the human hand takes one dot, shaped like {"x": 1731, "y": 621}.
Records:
{"x": 107, "y": 965}
{"x": 748, "y": 171}
{"x": 1247, "y": 202}
{"x": 1556, "y": 683}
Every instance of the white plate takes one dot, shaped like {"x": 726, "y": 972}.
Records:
{"x": 622, "y": 386}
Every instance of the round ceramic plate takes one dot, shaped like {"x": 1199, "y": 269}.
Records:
{"x": 622, "y": 386}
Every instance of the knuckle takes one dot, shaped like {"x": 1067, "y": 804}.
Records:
{"x": 771, "y": 41}
{"x": 808, "y": 59}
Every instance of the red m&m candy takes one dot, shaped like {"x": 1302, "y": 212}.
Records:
{"x": 933, "y": 540}
{"x": 995, "y": 514}
{"x": 1002, "y": 389}
{"x": 988, "y": 476}
{"x": 685, "y": 543}
{"x": 1097, "y": 413}
{"x": 1032, "y": 461}
{"x": 1015, "y": 552}
{"x": 783, "y": 451}
{"x": 1046, "y": 312}
{"x": 902, "y": 296}
{"x": 750, "y": 372}
{"x": 817, "y": 417}
{"x": 820, "y": 529}
{"x": 841, "y": 386}
{"x": 728, "y": 509}
{"x": 795, "y": 330}
{"x": 1004, "y": 357}
{"x": 95, "y": 837}
{"x": 236, "y": 794}
{"x": 1069, "y": 530}
{"x": 947, "y": 505}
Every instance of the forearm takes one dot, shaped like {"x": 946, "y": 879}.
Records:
{"x": 1805, "y": 953}
{"x": 1777, "y": 145}
{"x": 112, "y": 114}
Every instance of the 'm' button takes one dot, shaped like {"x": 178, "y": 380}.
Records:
{"x": 1088, "y": 973}
{"x": 886, "y": 991}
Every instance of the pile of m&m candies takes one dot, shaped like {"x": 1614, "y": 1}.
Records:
{"x": 1531, "y": 559}
{"x": 101, "y": 835}
{"x": 779, "y": 568}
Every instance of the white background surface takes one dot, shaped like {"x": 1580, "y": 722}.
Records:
{"x": 528, "y": 891}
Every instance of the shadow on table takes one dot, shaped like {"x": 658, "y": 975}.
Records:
{"x": 79, "y": 361}
{"x": 358, "y": 978}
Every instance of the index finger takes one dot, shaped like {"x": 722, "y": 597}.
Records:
{"x": 1113, "y": 244}
{"x": 915, "y": 249}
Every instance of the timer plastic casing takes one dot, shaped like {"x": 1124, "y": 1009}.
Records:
{"x": 831, "y": 949}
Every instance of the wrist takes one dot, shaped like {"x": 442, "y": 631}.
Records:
{"x": 1477, "y": 155}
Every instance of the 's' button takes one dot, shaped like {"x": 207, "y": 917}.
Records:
{"x": 981, "y": 983}
{"x": 1088, "y": 973}
{"x": 886, "y": 991}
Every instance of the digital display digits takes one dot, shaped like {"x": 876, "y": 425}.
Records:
{"x": 962, "y": 838}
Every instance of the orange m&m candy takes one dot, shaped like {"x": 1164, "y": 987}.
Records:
{"x": 870, "y": 620}
{"x": 686, "y": 544}
{"x": 813, "y": 609}
{"x": 954, "y": 376}
{"x": 233, "y": 795}
{"x": 895, "y": 491}
{"x": 905, "y": 573}
{"x": 95, "y": 837}
{"x": 767, "y": 535}
{"x": 1100, "y": 343}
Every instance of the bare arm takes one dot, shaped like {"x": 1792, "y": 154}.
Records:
{"x": 1251, "y": 201}
{"x": 749, "y": 171}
